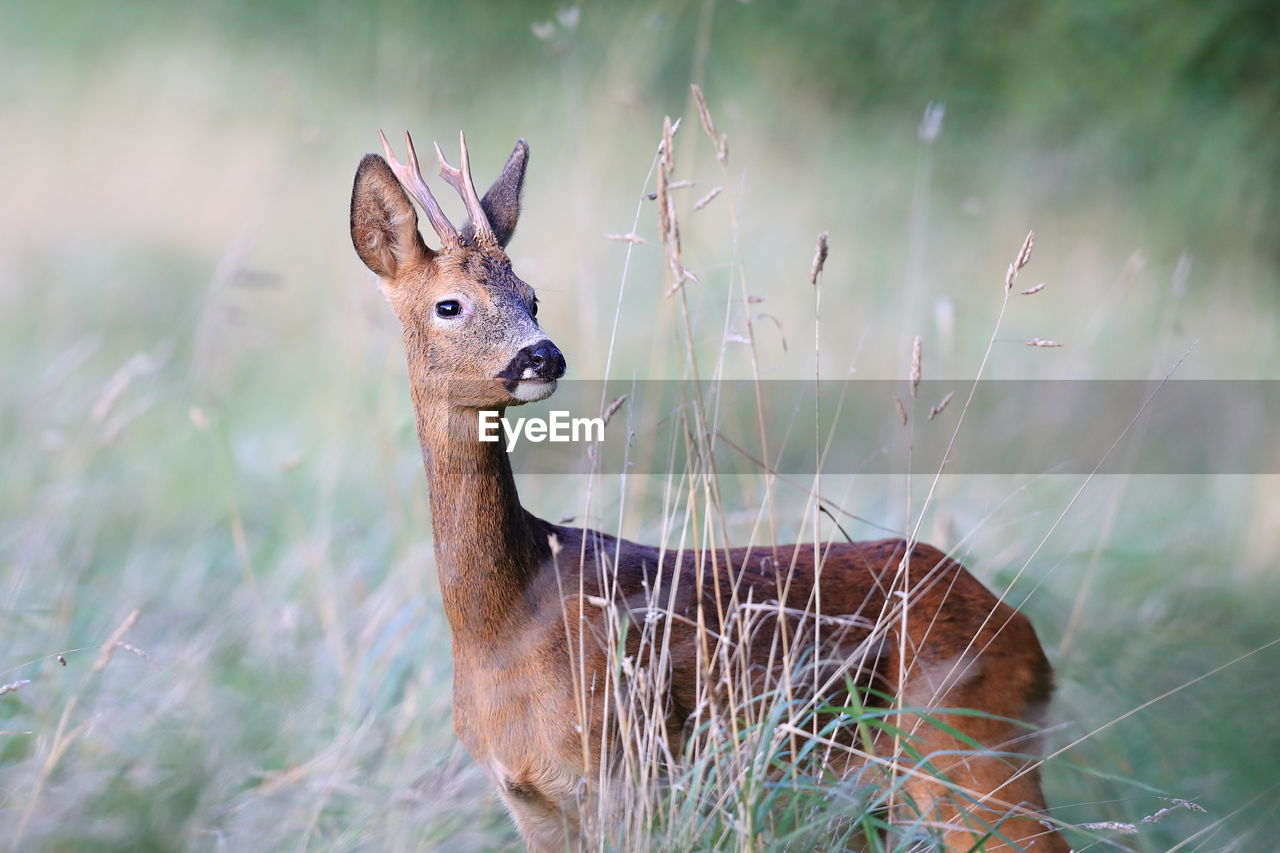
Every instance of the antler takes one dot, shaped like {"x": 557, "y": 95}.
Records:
{"x": 411, "y": 179}
{"x": 460, "y": 180}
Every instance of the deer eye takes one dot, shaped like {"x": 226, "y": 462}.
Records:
{"x": 448, "y": 308}
{"x": 534, "y": 310}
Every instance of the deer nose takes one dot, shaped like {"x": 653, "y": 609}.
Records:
{"x": 539, "y": 360}
{"x": 546, "y": 360}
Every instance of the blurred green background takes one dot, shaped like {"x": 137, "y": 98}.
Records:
{"x": 205, "y": 414}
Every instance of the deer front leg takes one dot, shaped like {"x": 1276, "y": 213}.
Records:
{"x": 544, "y": 825}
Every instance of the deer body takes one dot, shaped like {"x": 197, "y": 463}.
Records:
{"x": 524, "y": 598}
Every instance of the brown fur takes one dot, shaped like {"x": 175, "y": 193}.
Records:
{"x": 521, "y": 593}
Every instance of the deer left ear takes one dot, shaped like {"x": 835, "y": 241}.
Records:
{"x": 502, "y": 202}
{"x": 384, "y": 225}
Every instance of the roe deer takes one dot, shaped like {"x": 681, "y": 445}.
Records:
{"x": 523, "y": 595}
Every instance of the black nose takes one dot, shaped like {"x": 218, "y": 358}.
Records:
{"x": 536, "y": 361}
{"x": 546, "y": 360}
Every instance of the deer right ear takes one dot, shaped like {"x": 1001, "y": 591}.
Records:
{"x": 384, "y": 225}
{"x": 502, "y": 202}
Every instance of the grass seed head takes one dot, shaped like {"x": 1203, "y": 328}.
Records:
{"x": 942, "y": 404}
{"x": 1024, "y": 254}
{"x": 916, "y": 356}
{"x": 613, "y": 408}
{"x": 819, "y": 259}
{"x": 703, "y": 113}
{"x": 708, "y": 198}
{"x": 668, "y": 144}
{"x": 1023, "y": 258}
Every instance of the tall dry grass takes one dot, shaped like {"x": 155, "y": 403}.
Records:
{"x": 772, "y": 758}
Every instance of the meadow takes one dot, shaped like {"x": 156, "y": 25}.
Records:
{"x": 221, "y": 627}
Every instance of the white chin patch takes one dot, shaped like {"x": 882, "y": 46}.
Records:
{"x": 533, "y": 390}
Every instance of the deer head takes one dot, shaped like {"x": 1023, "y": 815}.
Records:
{"x": 470, "y": 327}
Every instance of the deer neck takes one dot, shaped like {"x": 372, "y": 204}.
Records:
{"x": 487, "y": 547}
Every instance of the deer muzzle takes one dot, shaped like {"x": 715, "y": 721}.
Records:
{"x": 532, "y": 374}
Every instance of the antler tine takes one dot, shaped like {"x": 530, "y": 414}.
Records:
{"x": 460, "y": 180}
{"x": 411, "y": 179}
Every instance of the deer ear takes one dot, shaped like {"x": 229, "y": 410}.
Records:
{"x": 502, "y": 202}
{"x": 384, "y": 225}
